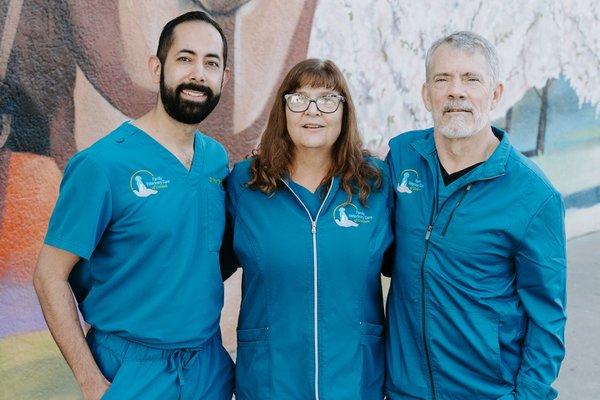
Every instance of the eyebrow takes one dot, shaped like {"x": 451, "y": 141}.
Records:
{"x": 187, "y": 51}
{"x": 467, "y": 74}
{"x": 192, "y": 52}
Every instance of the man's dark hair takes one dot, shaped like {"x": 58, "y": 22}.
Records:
{"x": 166, "y": 36}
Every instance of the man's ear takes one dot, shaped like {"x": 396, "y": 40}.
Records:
{"x": 426, "y": 96}
{"x": 154, "y": 66}
{"x": 497, "y": 95}
{"x": 226, "y": 77}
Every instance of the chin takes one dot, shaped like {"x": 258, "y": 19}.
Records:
{"x": 459, "y": 128}
{"x": 312, "y": 145}
{"x": 456, "y": 131}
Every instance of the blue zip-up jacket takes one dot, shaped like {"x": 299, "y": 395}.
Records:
{"x": 311, "y": 316}
{"x": 476, "y": 308}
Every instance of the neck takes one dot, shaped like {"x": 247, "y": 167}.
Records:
{"x": 460, "y": 153}
{"x": 309, "y": 167}
{"x": 166, "y": 130}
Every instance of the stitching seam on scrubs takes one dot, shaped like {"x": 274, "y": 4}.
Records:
{"x": 210, "y": 204}
{"x": 245, "y": 231}
{"x": 101, "y": 171}
{"x": 235, "y": 200}
{"x": 120, "y": 357}
{"x": 58, "y": 241}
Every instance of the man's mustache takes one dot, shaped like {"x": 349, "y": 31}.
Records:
{"x": 458, "y": 106}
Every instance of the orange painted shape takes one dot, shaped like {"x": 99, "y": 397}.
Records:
{"x": 30, "y": 195}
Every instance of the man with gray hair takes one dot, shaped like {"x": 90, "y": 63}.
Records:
{"x": 476, "y": 308}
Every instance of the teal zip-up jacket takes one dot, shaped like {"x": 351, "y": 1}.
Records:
{"x": 311, "y": 316}
{"x": 476, "y": 308}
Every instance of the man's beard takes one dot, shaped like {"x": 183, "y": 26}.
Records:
{"x": 185, "y": 111}
{"x": 459, "y": 126}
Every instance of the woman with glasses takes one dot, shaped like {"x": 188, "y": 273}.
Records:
{"x": 310, "y": 213}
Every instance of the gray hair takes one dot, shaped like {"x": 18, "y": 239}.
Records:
{"x": 469, "y": 42}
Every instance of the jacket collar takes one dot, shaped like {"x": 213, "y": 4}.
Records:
{"x": 493, "y": 167}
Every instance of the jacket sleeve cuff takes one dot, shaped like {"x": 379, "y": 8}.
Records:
{"x": 531, "y": 389}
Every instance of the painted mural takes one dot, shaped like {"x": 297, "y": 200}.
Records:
{"x": 72, "y": 70}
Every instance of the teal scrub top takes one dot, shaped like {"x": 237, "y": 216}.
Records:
{"x": 311, "y": 314}
{"x": 148, "y": 232}
{"x": 312, "y": 200}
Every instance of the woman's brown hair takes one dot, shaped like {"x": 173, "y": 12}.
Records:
{"x": 274, "y": 155}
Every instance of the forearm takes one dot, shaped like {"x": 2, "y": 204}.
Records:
{"x": 61, "y": 316}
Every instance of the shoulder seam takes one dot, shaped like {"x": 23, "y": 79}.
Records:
{"x": 539, "y": 178}
{"x": 534, "y": 215}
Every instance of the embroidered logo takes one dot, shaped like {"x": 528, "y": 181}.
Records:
{"x": 347, "y": 215}
{"x": 143, "y": 183}
{"x": 215, "y": 181}
{"x": 410, "y": 182}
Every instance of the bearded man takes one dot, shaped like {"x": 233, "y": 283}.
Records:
{"x": 136, "y": 234}
{"x": 476, "y": 308}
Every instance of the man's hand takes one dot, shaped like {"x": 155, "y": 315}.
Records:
{"x": 60, "y": 311}
{"x": 96, "y": 390}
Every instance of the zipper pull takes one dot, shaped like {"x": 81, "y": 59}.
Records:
{"x": 314, "y": 227}
{"x": 469, "y": 186}
{"x": 428, "y": 233}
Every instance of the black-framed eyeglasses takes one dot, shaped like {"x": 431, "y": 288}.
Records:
{"x": 327, "y": 104}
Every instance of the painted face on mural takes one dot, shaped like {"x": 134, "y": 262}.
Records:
{"x": 192, "y": 75}
{"x": 221, "y": 6}
{"x": 459, "y": 93}
{"x": 312, "y": 128}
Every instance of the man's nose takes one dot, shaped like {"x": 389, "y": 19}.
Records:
{"x": 456, "y": 90}
{"x": 198, "y": 74}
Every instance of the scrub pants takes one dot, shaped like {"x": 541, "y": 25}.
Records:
{"x": 141, "y": 372}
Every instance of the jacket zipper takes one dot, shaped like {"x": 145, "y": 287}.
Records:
{"x": 432, "y": 219}
{"x": 313, "y": 231}
{"x": 469, "y": 186}
{"x": 464, "y": 193}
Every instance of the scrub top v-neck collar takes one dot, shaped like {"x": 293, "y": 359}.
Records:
{"x": 312, "y": 200}
{"x": 197, "y": 161}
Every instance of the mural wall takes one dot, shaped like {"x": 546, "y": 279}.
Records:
{"x": 72, "y": 70}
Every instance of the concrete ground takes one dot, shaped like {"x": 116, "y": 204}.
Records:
{"x": 579, "y": 377}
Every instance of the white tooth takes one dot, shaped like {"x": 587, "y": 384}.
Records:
{"x": 193, "y": 93}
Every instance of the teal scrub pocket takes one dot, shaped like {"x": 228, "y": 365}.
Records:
{"x": 215, "y": 217}
{"x": 373, "y": 361}
{"x": 252, "y": 369}
{"x": 111, "y": 362}
{"x": 120, "y": 379}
